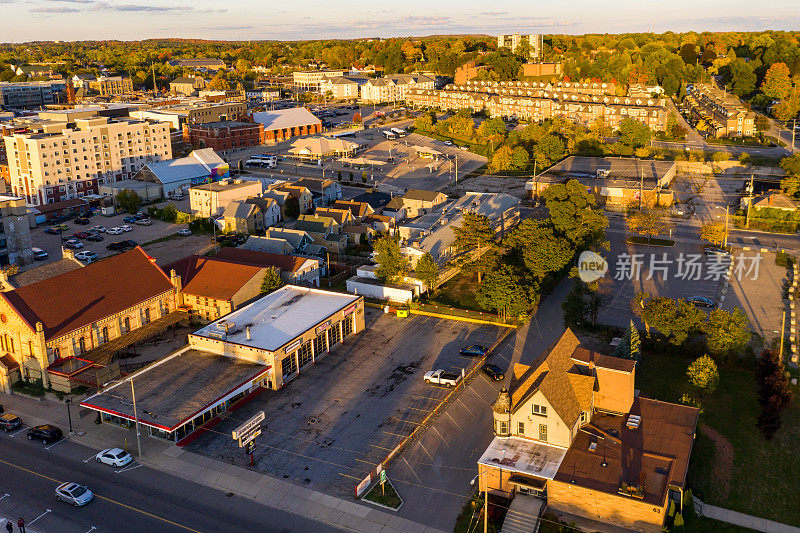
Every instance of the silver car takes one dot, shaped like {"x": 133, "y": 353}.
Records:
{"x": 74, "y": 493}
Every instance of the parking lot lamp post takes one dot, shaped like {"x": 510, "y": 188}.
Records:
{"x": 69, "y": 415}
{"x": 136, "y": 418}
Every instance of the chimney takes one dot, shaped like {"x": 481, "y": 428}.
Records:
{"x": 247, "y": 331}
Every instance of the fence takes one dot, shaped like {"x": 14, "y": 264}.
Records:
{"x": 464, "y": 313}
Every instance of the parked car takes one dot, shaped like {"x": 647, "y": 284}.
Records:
{"x": 73, "y": 244}
{"x": 131, "y": 219}
{"x": 494, "y": 372}
{"x": 126, "y": 228}
{"x": 73, "y": 493}
{"x": 185, "y": 232}
{"x": 476, "y": 350}
{"x": 115, "y": 231}
{"x": 83, "y": 221}
{"x": 700, "y": 301}
{"x": 46, "y": 433}
{"x": 62, "y": 227}
{"x": 440, "y": 377}
{"x": 448, "y": 143}
{"x": 39, "y": 254}
{"x": 80, "y": 235}
{"x": 710, "y": 249}
{"x": 95, "y": 238}
{"x": 114, "y": 457}
{"x": 101, "y": 229}
{"x": 53, "y": 230}
{"x": 120, "y": 246}
{"x": 144, "y": 221}
{"x": 88, "y": 256}
{"x": 9, "y": 422}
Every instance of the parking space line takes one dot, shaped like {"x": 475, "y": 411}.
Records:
{"x": 351, "y": 477}
{"x": 424, "y": 449}
{"x": 396, "y": 435}
{"x": 56, "y": 443}
{"x": 441, "y": 437}
{"x": 454, "y": 422}
{"x": 418, "y": 409}
{"x": 128, "y": 469}
{"x": 465, "y": 407}
{"x": 412, "y": 470}
{"x": 41, "y": 515}
{"x": 373, "y": 445}
{"x": 363, "y": 461}
{"x": 409, "y": 421}
{"x": 18, "y": 432}
{"x": 90, "y": 458}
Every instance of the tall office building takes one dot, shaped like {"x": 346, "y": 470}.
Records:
{"x": 513, "y": 41}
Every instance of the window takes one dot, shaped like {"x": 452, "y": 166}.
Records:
{"x": 288, "y": 366}
{"x": 520, "y": 428}
{"x": 81, "y": 345}
{"x": 304, "y": 354}
{"x": 319, "y": 344}
{"x": 543, "y": 432}
{"x": 540, "y": 410}
{"x": 147, "y": 315}
{"x": 503, "y": 428}
{"x": 583, "y": 417}
{"x": 126, "y": 324}
{"x": 104, "y": 334}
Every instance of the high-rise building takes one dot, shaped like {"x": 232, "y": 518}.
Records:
{"x": 55, "y": 162}
{"x": 513, "y": 41}
{"x": 31, "y": 94}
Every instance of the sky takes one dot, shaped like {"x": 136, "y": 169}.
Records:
{"x": 68, "y": 20}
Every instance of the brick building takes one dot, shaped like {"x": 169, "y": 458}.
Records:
{"x": 223, "y": 135}
{"x": 283, "y": 124}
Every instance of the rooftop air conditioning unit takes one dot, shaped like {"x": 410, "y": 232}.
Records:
{"x": 634, "y": 421}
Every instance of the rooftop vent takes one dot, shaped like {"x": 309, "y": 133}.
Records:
{"x": 634, "y": 421}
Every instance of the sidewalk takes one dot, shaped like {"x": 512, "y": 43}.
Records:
{"x": 5, "y": 519}
{"x": 267, "y": 490}
{"x": 744, "y": 520}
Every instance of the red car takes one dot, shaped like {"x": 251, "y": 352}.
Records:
{"x": 80, "y": 235}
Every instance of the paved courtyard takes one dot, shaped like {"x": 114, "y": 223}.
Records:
{"x": 332, "y": 424}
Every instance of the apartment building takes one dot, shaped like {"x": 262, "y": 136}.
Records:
{"x": 342, "y": 87}
{"x": 110, "y": 85}
{"x": 31, "y": 94}
{"x": 210, "y": 200}
{"x": 514, "y": 40}
{"x": 719, "y": 113}
{"x": 71, "y": 162}
{"x": 394, "y": 88}
{"x": 311, "y": 79}
{"x": 15, "y": 233}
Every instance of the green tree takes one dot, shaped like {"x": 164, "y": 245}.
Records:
{"x": 574, "y": 213}
{"x": 501, "y": 159}
{"x": 777, "y": 82}
{"x": 243, "y": 65}
{"x": 648, "y": 222}
{"x": 689, "y": 53}
{"x": 169, "y": 213}
{"x": 474, "y": 236}
{"x": 128, "y": 200}
{"x": 519, "y": 158}
{"x": 703, "y": 375}
{"x": 493, "y": 130}
{"x": 675, "y": 320}
{"x": 727, "y": 333}
{"x": 393, "y": 265}
{"x": 549, "y": 149}
{"x": 423, "y": 123}
{"x": 271, "y": 282}
{"x": 292, "y": 207}
{"x": 427, "y": 271}
{"x": 774, "y": 395}
{"x": 630, "y": 346}
{"x": 742, "y": 77}
{"x": 218, "y": 83}
{"x": 501, "y": 291}
{"x": 575, "y": 306}
{"x": 633, "y": 133}
{"x": 713, "y": 232}
{"x": 541, "y": 250}
{"x": 762, "y": 123}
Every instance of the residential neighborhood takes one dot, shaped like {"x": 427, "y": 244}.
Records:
{"x": 411, "y": 269}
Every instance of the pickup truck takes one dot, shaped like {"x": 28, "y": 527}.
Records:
{"x": 440, "y": 377}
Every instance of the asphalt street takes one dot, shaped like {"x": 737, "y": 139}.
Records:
{"x": 134, "y": 498}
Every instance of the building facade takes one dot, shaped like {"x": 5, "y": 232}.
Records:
{"x": 31, "y": 94}
{"x": 514, "y": 40}
{"x": 311, "y": 79}
{"x": 111, "y": 85}
{"x": 72, "y": 162}
{"x": 223, "y": 136}
{"x": 211, "y": 200}
{"x": 394, "y": 88}
{"x": 719, "y": 113}
{"x": 15, "y": 232}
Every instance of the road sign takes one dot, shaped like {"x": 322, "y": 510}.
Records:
{"x": 248, "y": 426}
{"x": 249, "y": 437}
{"x": 250, "y": 447}
{"x": 383, "y": 477}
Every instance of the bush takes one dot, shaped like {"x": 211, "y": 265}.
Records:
{"x": 720, "y": 156}
{"x": 201, "y": 225}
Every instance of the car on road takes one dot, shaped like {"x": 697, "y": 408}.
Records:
{"x": 121, "y": 246}
{"x": 39, "y": 254}
{"x": 494, "y": 372}
{"x": 101, "y": 229}
{"x": 88, "y": 256}
{"x": 476, "y": 350}
{"x": 10, "y": 422}
{"x": 126, "y": 228}
{"x": 440, "y": 377}
{"x": 95, "y": 238}
{"x": 46, "y": 433}
{"x": 448, "y": 143}
{"x": 115, "y": 231}
{"x": 83, "y": 221}
{"x": 710, "y": 249}
{"x": 74, "y": 493}
{"x": 700, "y": 301}
{"x": 185, "y": 232}
{"x": 144, "y": 221}
{"x": 53, "y": 231}
{"x": 114, "y": 457}
{"x": 465, "y": 148}
{"x": 73, "y": 244}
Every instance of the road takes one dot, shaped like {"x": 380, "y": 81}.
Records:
{"x": 784, "y": 134}
{"x": 135, "y": 498}
{"x": 775, "y": 151}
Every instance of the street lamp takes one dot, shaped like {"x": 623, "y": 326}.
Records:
{"x": 69, "y": 415}
{"x": 727, "y": 209}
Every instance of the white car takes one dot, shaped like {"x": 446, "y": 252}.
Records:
{"x": 114, "y": 457}
{"x": 99, "y": 229}
{"x": 126, "y": 228}
{"x": 87, "y": 256}
{"x": 448, "y": 143}
{"x": 115, "y": 231}
{"x": 185, "y": 232}
{"x": 74, "y": 493}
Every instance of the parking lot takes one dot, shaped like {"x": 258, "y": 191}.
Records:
{"x": 331, "y": 425}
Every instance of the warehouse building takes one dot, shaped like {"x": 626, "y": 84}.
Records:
{"x": 264, "y": 344}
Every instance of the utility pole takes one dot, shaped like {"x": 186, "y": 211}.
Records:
{"x": 727, "y": 210}
{"x": 136, "y": 418}
{"x": 153, "y": 69}
{"x": 641, "y": 186}
{"x": 783, "y": 327}
{"x": 486, "y": 506}
{"x": 456, "y": 169}
{"x": 749, "y": 201}
{"x": 794, "y": 128}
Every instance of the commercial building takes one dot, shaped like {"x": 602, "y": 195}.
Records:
{"x": 342, "y": 87}
{"x": 264, "y": 344}
{"x": 223, "y": 136}
{"x": 614, "y": 181}
{"x": 515, "y": 40}
{"x": 311, "y": 79}
{"x": 571, "y": 433}
{"x": 210, "y": 200}
{"x": 282, "y": 124}
{"x": 31, "y": 94}
{"x": 110, "y": 85}
{"x": 176, "y": 176}
{"x": 719, "y": 113}
{"x": 63, "y": 161}
{"x": 187, "y": 86}
{"x": 394, "y": 88}
{"x": 315, "y": 148}
{"x": 15, "y": 232}
{"x": 78, "y": 313}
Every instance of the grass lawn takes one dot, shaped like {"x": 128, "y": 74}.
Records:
{"x": 385, "y": 496}
{"x": 458, "y": 291}
{"x": 762, "y": 477}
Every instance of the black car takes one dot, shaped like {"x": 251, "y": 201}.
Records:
{"x": 95, "y": 237}
{"x": 53, "y": 231}
{"x": 83, "y": 221}
{"x": 9, "y": 422}
{"x": 700, "y": 301}
{"x": 121, "y": 246}
{"x": 45, "y": 433}
{"x": 494, "y": 372}
{"x": 710, "y": 249}
{"x": 476, "y": 350}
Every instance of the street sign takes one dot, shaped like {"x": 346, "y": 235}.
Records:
{"x": 250, "y": 447}
{"x": 383, "y": 477}
{"x": 248, "y": 438}
{"x": 248, "y": 426}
